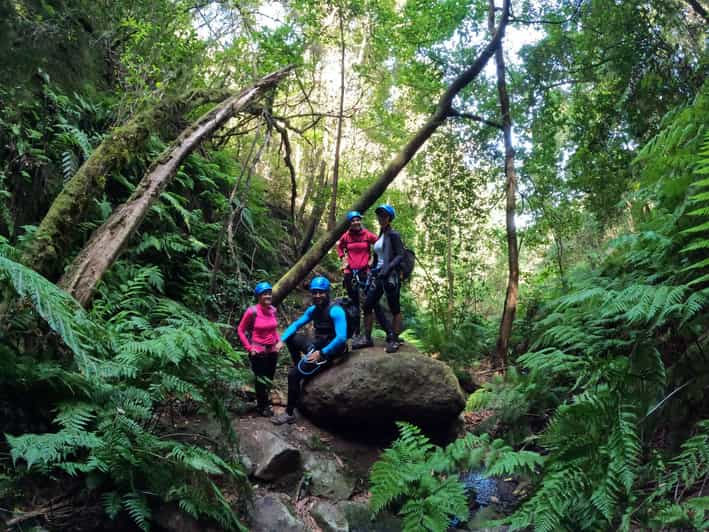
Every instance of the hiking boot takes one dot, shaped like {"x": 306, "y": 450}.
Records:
{"x": 392, "y": 346}
{"x": 285, "y": 417}
{"x": 362, "y": 342}
{"x": 264, "y": 411}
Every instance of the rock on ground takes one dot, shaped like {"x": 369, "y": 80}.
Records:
{"x": 329, "y": 517}
{"x": 170, "y": 518}
{"x": 273, "y": 513}
{"x": 358, "y": 518}
{"x": 327, "y": 479}
{"x": 271, "y": 456}
{"x": 371, "y": 390}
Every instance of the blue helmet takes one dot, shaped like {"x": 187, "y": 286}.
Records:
{"x": 353, "y": 214}
{"x": 320, "y": 283}
{"x": 262, "y": 287}
{"x": 388, "y": 209}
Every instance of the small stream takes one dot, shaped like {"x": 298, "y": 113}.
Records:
{"x": 483, "y": 491}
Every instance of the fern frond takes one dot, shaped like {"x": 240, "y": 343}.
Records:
{"x": 75, "y": 416}
{"x": 61, "y": 312}
{"x": 137, "y": 506}
{"x": 111, "y": 503}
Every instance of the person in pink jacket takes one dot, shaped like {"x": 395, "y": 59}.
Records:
{"x": 355, "y": 252}
{"x": 258, "y": 334}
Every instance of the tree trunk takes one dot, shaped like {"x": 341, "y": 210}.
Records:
{"x": 108, "y": 241}
{"x": 559, "y": 245}
{"x": 247, "y": 165}
{"x": 338, "y": 142}
{"x": 306, "y": 197}
{"x": 699, "y": 9}
{"x": 315, "y": 214}
{"x": 444, "y": 108}
{"x": 53, "y": 237}
{"x": 508, "y": 313}
{"x": 449, "y": 248}
{"x": 288, "y": 159}
{"x": 235, "y": 214}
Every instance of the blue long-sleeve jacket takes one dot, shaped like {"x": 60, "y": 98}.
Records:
{"x": 337, "y": 314}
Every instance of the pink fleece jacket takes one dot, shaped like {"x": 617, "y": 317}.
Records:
{"x": 257, "y": 329}
{"x": 357, "y": 247}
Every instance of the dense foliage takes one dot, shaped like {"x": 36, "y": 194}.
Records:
{"x": 607, "y": 366}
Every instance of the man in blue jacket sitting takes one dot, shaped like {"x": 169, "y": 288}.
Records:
{"x": 311, "y": 354}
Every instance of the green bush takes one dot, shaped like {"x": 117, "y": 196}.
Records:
{"x": 115, "y": 374}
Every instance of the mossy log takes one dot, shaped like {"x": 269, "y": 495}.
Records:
{"x": 52, "y": 240}
{"x": 444, "y": 109}
{"x": 109, "y": 240}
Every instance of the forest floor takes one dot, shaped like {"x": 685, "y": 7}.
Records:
{"x": 353, "y": 454}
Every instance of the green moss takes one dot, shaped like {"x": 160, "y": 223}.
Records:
{"x": 52, "y": 238}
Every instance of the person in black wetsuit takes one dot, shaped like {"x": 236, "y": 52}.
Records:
{"x": 312, "y": 354}
{"x": 388, "y": 254}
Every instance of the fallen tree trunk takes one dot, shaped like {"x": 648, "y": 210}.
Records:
{"x": 108, "y": 241}
{"x": 53, "y": 237}
{"x": 444, "y": 109}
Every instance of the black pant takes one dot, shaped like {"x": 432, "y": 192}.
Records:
{"x": 377, "y": 288}
{"x": 353, "y": 290}
{"x": 264, "y": 367}
{"x": 298, "y": 345}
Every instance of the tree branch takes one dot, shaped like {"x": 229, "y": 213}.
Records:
{"x": 457, "y": 114}
{"x": 289, "y": 163}
{"x": 552, "y": 22}
{"x": 699, "y": 9}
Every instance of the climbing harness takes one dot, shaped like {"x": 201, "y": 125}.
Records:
{"x": 357, "y": 279}
{"x": 315, "y": 364}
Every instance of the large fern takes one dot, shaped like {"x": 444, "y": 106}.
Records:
{"x": 699, "y": 231}
{"x": 130, "y": 368}
{"x": 609, "y": 348}
{"x": 61, "y": 312}
{"x": 422, "y": 482}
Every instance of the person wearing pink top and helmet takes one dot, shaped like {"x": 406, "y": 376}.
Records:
{"x": 258, "y": 334}
{"x": 355, "y": 250}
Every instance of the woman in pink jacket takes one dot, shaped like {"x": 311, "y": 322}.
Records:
{"x": 258, "y": 334}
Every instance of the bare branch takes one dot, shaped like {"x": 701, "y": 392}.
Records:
{"x": 477, "y": 118}
{"x": 289, "y": 163}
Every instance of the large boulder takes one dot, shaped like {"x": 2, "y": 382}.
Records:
{"x": 371, "y": 390}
